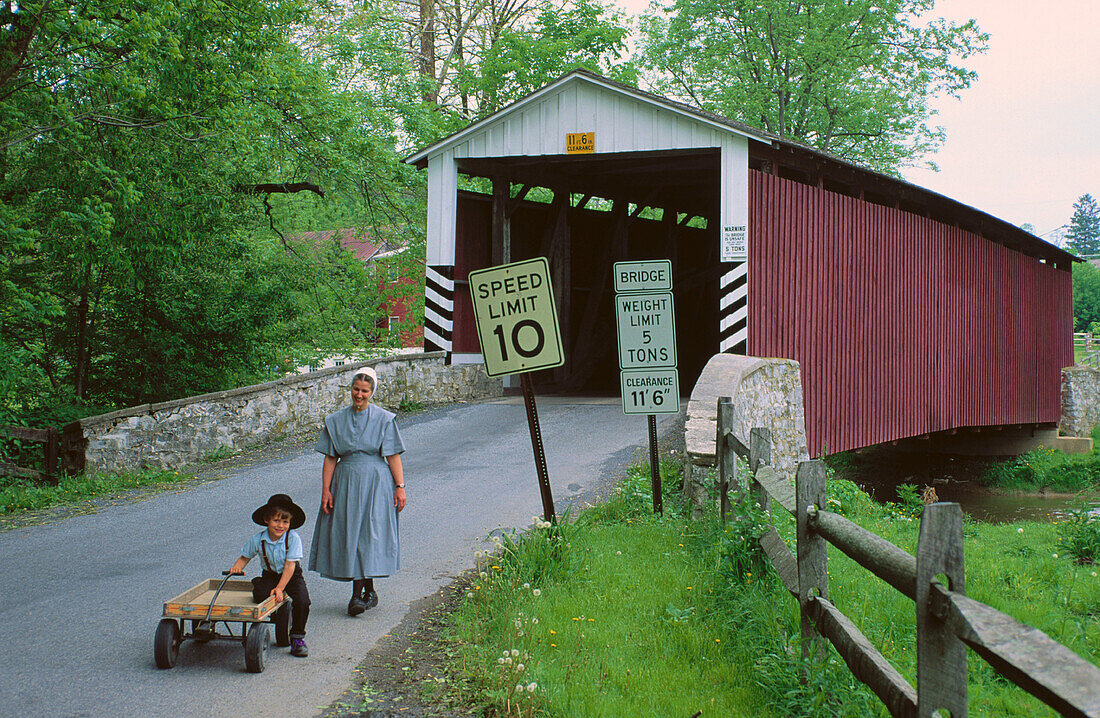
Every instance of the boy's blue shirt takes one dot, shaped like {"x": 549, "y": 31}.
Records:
{"x": 277, "y": 552}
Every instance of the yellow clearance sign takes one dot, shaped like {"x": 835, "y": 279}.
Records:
{"x": 517, "y": 321}
{"x": 580, "y": 143}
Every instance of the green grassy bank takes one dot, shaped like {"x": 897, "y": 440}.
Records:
{"x": 620, "y": 613}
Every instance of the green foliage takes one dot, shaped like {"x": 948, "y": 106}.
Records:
{"x": 1079, "y": 535}
{"x": 851, "y": 78}
{"x": 649, "y": 597}
{"x": 18, "y": 495}
{"x": 138, "y": 259}
{"x": 909, "y": 503}
{"x": 1083, "y": 235}
{"x": 633, "y": 497}
{"x": 740, "y": 558}
{"x": 522, "y": 57}
{"x": 1086, "y": 296}
{"x": 1045, "y": 468}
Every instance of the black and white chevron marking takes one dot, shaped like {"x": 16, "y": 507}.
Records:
{"x": 439, "y": 307}
{"x": 733, "y": 309}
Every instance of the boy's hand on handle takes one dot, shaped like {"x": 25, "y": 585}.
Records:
{"x": 278, "y": 594}
{"x": 326, "y": 501}
{"x": 399, "y": 499}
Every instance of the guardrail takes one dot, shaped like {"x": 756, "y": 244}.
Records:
{"x": 1090, "y": 349}
{"x": 947, "y": 622}
{"x": 52, "y": 450}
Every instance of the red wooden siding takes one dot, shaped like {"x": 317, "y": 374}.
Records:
{"x": 903, "y": 325}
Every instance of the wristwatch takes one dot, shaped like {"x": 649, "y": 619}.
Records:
{"x": 399, "y": 486}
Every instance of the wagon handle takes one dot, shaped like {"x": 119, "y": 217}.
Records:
{"x": 227, "y": 574}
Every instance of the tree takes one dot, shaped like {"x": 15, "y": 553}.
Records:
{"x": 147, "y": 153}
{"x": 1083, "y": 234}
{"x": 849, "y": 77}
{"x": 1086, "y": 296}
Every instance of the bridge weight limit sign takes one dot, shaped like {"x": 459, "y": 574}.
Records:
{"x": 517, "y": 325}
{"x": 647, "y": 348}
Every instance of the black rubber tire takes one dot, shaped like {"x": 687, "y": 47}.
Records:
{"x": 282, "y": 626}
{"x": 255, "y": 647}
{"x": 166, "y": 645}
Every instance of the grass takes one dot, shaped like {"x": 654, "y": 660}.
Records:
{"x": 1049, "y": 469}
{"x": 621, "y": 613}
{"x": 20, "y": 495}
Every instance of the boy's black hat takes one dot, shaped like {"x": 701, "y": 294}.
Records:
{"x": 284, "y": 502}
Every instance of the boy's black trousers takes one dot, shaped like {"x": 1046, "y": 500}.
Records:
{"x": 299, "y": 596}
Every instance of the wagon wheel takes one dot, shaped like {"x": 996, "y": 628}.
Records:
{"x": 166, "y": 645}
{"x": 282, "y": 626}
{"x": 255, "y": 647}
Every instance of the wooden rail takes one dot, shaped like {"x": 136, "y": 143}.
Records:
{"x": 52, "y": 450}
{"x": 1090, "y": 349}
{"x": 947, "y": 622}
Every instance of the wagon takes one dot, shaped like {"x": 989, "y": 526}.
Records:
{"x": 227, "y": 602}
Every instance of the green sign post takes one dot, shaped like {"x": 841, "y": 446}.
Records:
{"x": 517, "y": 324}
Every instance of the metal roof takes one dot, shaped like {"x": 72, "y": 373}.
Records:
{"x": 853, "y": 173}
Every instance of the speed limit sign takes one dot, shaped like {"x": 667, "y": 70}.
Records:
{"x": 517, "y": 321}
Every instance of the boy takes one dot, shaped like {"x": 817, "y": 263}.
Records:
{"x": 280, "y": 549}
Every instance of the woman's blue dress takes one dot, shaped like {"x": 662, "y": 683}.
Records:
{"x": 359, "y": 537}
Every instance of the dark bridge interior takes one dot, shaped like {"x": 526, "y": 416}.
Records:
{"x": 584, "y": 213}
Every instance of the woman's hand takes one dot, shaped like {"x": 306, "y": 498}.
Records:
{"x": 326, "y": 501}
{"x": 399, "y": 498}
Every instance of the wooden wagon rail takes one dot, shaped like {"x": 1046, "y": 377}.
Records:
{"x": 947, "y": 621}
{"x": 51, "y": 449}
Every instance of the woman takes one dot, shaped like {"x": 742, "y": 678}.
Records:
{"x": 362, "y": 491}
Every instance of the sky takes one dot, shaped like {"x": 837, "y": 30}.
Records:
{"x": 1023, "y": 142}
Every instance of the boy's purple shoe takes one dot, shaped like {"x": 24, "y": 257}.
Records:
{"x": 298, "y": 647}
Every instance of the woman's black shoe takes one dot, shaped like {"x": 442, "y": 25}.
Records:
{"x": 370, "y": 600}
{"x": 357, "y": 605}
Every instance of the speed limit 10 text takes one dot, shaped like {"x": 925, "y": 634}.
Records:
{"x": 510, "y": 296}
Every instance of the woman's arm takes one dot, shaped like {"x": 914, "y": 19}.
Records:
{"x": 398, "y": 481}
{"x": 327, "y": 471}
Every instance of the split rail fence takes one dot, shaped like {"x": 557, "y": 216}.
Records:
{"x": 947, "y": 622}
{"x": 50, "y": 438}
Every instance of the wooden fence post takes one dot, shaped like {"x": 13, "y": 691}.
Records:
{"x": 760, "y": 454}
{"x": 724, "y": 456}
{"x": 812, "y": 577}
{"x": 941, "y": 656}
{"x": 53, "y": 452}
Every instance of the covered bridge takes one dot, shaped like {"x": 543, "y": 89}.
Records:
{"x": 909, "y": 312}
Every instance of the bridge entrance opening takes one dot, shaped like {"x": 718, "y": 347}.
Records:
{"x": 584, "y": 214}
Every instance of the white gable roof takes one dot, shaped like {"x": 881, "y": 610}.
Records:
{"x": 623, "y": 118}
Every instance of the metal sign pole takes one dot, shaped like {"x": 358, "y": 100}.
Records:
{"x": 654, "y": 467}
{"x": 536, "y": 448}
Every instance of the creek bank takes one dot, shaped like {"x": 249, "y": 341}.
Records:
{"x": 880, "y": 471}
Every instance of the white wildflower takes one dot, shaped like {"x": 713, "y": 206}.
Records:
{"x": 526, "y": 586}
{"x": 519, "y": 688}
{"x": 515, "y": 653}
{"x": 532, "y": 686}
{"x": 536, "y": 593}
{"x": 519, "y": 668}
{"x": 1019, "y": 531}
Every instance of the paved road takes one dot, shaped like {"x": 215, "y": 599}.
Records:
{"x": 81, "y": 597}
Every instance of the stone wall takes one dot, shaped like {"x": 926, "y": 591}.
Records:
{"x": 766, "y": 393}
{"x": 175, "y": 433}
{"x": 1080, "y": 401}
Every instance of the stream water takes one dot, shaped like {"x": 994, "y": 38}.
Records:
{"x": 955, "y": 478}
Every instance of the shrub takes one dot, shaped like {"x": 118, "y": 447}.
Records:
{"x": 1080, "y": 534}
